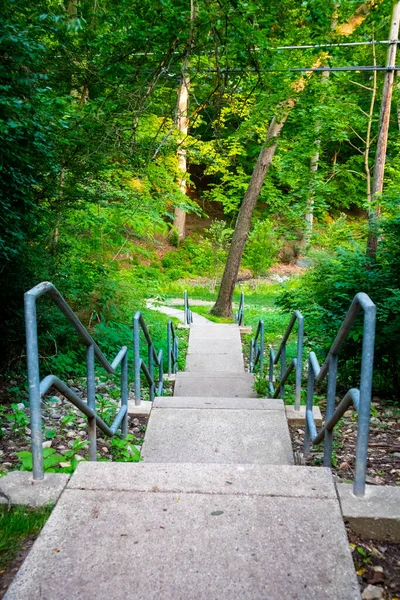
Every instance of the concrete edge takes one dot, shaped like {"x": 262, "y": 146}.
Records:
{"x": 21, "y": 488}
{"x": 143, "y": 409}
{"x": 219, "y": 479}
{"x": 298, "y": 418}
{"x": 199, "y": 402}
{"x": 375, "y": 515}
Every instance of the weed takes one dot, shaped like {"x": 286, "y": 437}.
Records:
{"x": 18, "y": 418}
{"x": 125, "y": 450}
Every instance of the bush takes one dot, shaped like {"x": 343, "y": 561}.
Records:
{"x": 324, "y": 294}
{"x": 261, "y": 248}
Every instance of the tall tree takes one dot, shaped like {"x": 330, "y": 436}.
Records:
{"x": 223, "y": 305}
{"x": 182, "y": 123}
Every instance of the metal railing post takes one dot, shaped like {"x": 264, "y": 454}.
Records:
{"x": 32, "y": 353}
{"x": 299, "y": 363}
{"x": 160, "y": 374}
{"x": 124, "y": 393}
{"x": 261, "y": 347}
{"x": 137, "y": 359}
{"x": 150, "y": 351}
{"x": 91, "y": 401}
{"x": 283, "y": 370}
{"x": 309, "y": 406}
{"x": 367, "y": 366}
{"x": 330, "y": 409}
{"x": 176, "y": 353}
{"x": 188, "y": 317}
{"x": 169, "y": 335}
{"x": 271, "y": 370}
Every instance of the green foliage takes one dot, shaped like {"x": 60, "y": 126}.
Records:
{"x": 50, "y": 459}
{"x": 324, "y": 295}
{"x": 124, "y": 450}
{"x": 89, "y": 175}
{"x": 261, "y": 248}
{"x": 18, "y": 418}
{"x": 340, "y": 233}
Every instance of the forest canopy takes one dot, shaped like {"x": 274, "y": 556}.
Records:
{"x": 100, "y": 149}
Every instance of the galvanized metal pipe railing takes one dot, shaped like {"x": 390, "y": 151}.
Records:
{"x": 361, "y": 399}
{"x": 153, "y": 360}
{"x": 172, "y": 341}
{"x": 188, "y": 315}
{"x": 296, "y": 363}
{"x": 257, "y": 348}
{"x": 37, "y": 388}
{"x": 239, "y": 316}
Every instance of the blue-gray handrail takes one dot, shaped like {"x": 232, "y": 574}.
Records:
{"x": 257, "y": 348}
{"x": 153, "y": 359}
{"x": 188, "y": 315}
{"x": 239, "y": 316}
{"x": 296, "y": 363}
{"x": 172, "y": 341}
{"x": 361, "y": 399}
{"x": 38, "y": 388}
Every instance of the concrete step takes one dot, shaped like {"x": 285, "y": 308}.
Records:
{"x": 219, "y": 403}
{"x": 229, "y": 363}
{"x": 214, "y": 384}
{"x": 215, "y": 346}
{"x": 204, "y": 532}
{"x": 214, "y": 332}
{"x": 210, "y": 435}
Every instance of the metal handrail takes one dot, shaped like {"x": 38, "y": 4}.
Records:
{"x": 296, "y": 363}
{"x": 172, "y": 341}
{"x": 37, "y": 388}
{"x": 239, "y": 316}
{"x": 361, "y": 399}
{"x": 188, "y": 315}
{"x": 257, "y": 348}
{"x": 153, "y": 359}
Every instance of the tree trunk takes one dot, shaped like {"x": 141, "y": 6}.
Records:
{"x": 380, "y": 159}
{"x": 223, "y": 305}
{"x": 313, "y": 169}
{"x": 183, "y": 126}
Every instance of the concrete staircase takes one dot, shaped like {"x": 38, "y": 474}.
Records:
{"x": 217, "y": 509}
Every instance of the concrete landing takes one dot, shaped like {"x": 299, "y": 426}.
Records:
{"x": 217, "y": 436}
{"x": 112, "y": 536}
{"x": 220, "y": 403}
{"x": 214, "y": 384}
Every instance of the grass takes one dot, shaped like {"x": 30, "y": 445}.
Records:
{"x": 16, "y": 526}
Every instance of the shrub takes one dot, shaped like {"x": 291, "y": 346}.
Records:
{"x": 261, "y": 249}
{"x": 324, "y": 294}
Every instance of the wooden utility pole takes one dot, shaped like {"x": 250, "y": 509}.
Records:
{"x": 380, "y": 158}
